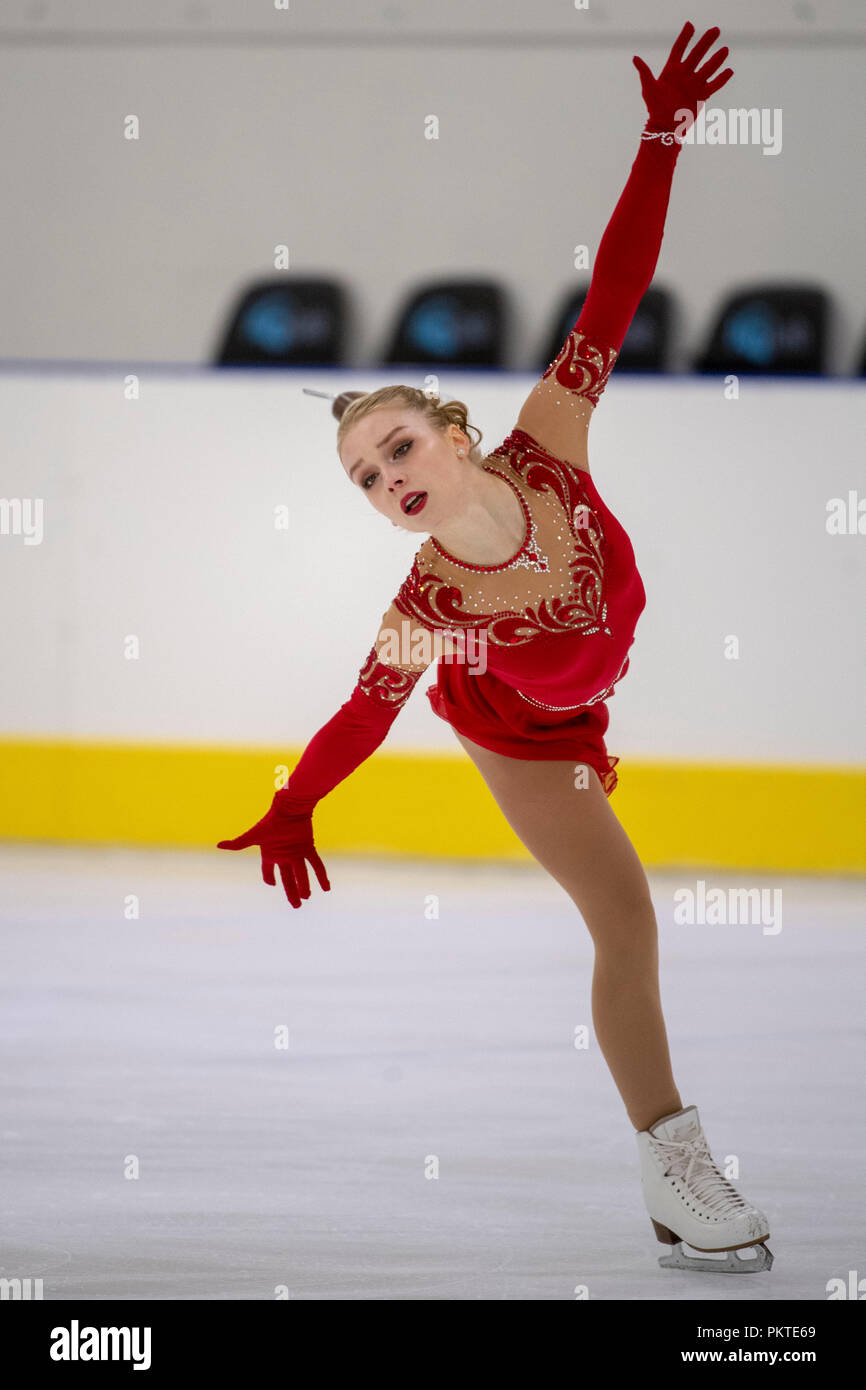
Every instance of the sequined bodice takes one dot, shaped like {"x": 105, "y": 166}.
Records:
{"x": 555, "y": 582}
{"x": 563, "y": 584}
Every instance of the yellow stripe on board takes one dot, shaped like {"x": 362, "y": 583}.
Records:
{"x": 791, "y": 819}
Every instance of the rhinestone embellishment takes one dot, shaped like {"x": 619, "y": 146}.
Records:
{"x": 529, "y": 556}
{"x": 584, "y": 704}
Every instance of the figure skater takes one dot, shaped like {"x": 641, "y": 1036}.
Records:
{"x": 522, "y": 552}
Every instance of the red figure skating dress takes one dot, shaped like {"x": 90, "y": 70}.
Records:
{"x": 557, "y": 619}
{"x": 552, "y": 626}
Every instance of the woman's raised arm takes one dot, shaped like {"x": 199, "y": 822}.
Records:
{"x": 558, "y": 409}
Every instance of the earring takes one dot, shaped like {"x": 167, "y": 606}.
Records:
{"x": 461, "y": 452}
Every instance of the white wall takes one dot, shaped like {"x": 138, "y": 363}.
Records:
{"x": 159, "y": 522}
{"x": 305, "y": 126}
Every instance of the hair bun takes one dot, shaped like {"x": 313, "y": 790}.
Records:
{"x": 343, "y": 401}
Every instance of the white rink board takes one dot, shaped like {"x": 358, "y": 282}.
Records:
{"x": 159, "y": 522}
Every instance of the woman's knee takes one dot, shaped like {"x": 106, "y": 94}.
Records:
{"x": 625, "y": 929}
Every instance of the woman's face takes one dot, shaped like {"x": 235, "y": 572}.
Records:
{"x": 394, "y": 454}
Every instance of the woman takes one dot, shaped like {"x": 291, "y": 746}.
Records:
{"x": 523, "y": 553}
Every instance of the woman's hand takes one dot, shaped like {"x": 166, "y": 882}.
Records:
{"x": 681, "y": 85}
{"x": 285, "y": 836}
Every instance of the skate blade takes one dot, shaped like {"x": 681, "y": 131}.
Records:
{"x": 726, "y": 1262}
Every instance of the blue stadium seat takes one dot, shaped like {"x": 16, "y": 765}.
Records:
{"x": 770, "y": 330}
{"x": 286, "y": 323}
{"x": 450, "y": 323}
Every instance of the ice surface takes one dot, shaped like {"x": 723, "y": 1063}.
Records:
{"x": 412, "y": 1036}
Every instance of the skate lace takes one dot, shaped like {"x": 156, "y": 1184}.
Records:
{"x": 691, "y": 1160}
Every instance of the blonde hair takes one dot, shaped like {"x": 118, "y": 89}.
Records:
{"x": 441, "y": 414}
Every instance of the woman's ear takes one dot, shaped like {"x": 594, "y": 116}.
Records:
{"x": 459, "y": 440}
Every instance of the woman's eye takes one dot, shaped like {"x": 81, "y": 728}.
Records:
{"x": 407, "y": 444}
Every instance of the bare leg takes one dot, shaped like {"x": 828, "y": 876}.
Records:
{"x": 574, "y": 835}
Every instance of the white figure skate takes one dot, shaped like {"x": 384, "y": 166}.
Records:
{"x": 689, "y": 1199}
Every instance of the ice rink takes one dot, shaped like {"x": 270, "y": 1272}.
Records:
{"x": 379, "y": 1096}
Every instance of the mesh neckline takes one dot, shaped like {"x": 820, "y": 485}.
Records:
{"x": 527, "y": 535}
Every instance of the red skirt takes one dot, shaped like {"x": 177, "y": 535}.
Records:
{"x": 493, "y": 714}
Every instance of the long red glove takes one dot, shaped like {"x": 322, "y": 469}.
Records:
{"x": 682, "y": 86}
{"x": 629, "y": 249}
{"x": 285, "y": 833}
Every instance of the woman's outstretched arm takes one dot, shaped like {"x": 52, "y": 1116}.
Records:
{"x": 559, "y": 407}
{"x": 285, "y": 833}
